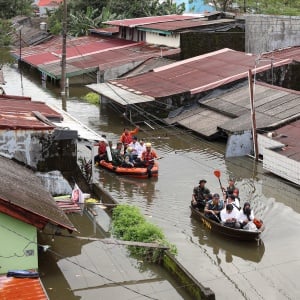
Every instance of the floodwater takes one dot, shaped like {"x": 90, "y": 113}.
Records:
{"x": 233, "y": 270}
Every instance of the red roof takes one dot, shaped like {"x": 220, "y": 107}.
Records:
{"x": 21, "y": 288}
{"x": 292, "y": 53}
{"x": 17, "y": 112}
{"x": 184, "y": 24}
{"x": 197, "y": 74}
{"x": 148, "y": 20}
{"x": 49, "y": 2}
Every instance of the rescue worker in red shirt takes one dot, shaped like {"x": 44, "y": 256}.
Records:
{"x": 102, "y": 154}
{"x": 126, "y": 137}
{"x": 148, "y": 157}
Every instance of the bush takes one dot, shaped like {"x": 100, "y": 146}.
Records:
{"x": 92, "y": 98}
{"x": 130, "y": 225}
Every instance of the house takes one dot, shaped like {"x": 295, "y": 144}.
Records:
{"x": 25, "y": 207}
{"x": 89, "y": 58}
{"x": 48, "y": 5}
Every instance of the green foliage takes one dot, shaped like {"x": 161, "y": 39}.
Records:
{"x": 92, "y": 98}
{"x": 130, "y": 225}
{"x": 12, "y": 8}
{"x": 5, "y": 32}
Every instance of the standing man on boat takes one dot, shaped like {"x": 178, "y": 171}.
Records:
{"x": 126, "y": 137}
{"x": 200, "y": 195}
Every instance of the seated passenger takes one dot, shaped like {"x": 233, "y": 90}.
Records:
{"x": 237, "y": 199}
{"x": 246, "y": 217}
{"x": 136, "y": 148}
{"x": 200, "y": 195}
{"x": 230, "y": 216}
{"x": 213, "y": 208}
{"x": 128, "y": 163}
{"x": 117, "y": 157}
{"x": 101, "y": 151}
{"x": 234, "y": 201}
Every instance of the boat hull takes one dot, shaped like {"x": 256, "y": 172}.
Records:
{"x": 239, "y": 234}
{"x": 131, "y": 172}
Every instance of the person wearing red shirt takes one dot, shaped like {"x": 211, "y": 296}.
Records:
{"x": 126, "y": 137}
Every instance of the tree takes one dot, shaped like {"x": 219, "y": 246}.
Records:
{"x": 12, "y": 8}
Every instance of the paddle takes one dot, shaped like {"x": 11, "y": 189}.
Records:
{"x": 218, "y": 175}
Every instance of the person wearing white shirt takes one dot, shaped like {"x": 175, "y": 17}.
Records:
{"x": 230, "y": 216}
{"x": 136, "y": 148}
{"x": 246, "y": 215}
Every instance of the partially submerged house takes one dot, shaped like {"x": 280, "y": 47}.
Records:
{"x": 89, "y": 58}
{"x": 25, "y": 207}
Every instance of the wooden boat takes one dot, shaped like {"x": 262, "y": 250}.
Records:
{"x": 139, "y": 172}
{"x": 239, "y": 234}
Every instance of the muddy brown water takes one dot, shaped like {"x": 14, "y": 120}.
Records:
{"x": 231, "y": 269}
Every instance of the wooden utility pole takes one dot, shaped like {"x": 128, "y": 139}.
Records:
{"x": 254, "y": 134}
{"x": 64, "y": 56}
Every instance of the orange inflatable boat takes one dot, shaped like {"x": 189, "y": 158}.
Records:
{"x": 140, "y": 172}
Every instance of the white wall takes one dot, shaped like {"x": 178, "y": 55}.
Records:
{"x": 168, "y": 40}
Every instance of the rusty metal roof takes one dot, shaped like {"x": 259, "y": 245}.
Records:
{"x": 184, "y": 24}
{"x": 49, "y": 2}
{"x": 289, "y": 135}
{"x": 195, "y": 75}
{"x": 292, "y": 53}
{"x": 148, "y": 20}
{"x": 17, "y": 113}
{"x": 23, "y": 196}
{"x": 21, "y": 289}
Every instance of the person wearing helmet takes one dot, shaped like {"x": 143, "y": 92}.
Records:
{"x": 148, "y": 157}
{"x": 128, "y": 163}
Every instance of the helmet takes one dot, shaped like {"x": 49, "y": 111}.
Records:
{"x": 129, "y": 149}
{"x": 148, "y": 144}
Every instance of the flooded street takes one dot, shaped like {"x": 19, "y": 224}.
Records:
{"x": 231, "y": 269}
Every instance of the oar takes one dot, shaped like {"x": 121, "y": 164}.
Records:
{"x": 218, "y": 175}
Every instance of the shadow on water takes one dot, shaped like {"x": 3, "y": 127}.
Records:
{"x": 218, "y": 243}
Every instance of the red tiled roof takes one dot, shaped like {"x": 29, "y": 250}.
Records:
{"x": 17, "y": 112}
{"x": 21, "y": 289}
{"x": 195, "y": 75}
{"x": 148, "y": 20}
{"x": 49, "y": 2}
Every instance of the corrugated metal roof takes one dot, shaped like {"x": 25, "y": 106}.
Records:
{"x": 17, "y": 113}
{"x": 118, "y": 94}
{"x": 148, "y": 20}
{"x": 195, "y": 75}
{"x": 289, "y": 135}
{"x": 292, "y": 53}
{"x": 23, "y": 196}
{"x": 49, "y": 2}
{"x": 184, "y": 24}
{"x": 21, "y": 289}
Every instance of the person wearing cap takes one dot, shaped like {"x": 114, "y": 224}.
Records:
{"x": 213, "y": 207}
{"x": 128, "y": 163}
{"x": 126, "y": 137}
{"x": 147, "y": 158}
{"x": 200, "y": 195}
{"x": 230, "y": 216}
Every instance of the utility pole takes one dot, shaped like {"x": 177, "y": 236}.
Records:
{"x": 254, "y": 134}
{"x": 64, "y": 56}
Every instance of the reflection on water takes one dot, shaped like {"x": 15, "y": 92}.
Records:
{"x": 244, "y": 249}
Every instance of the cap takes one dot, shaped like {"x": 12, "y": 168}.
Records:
{"x": 148, "y": 144}
{"x": 216, "y": 195}
{"x": 202, "y": 180}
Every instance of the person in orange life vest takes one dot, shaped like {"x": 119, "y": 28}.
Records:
{"x": 147, "y": 158}
{"x": 126, "y": 137}
{"x": 101, "y": 151}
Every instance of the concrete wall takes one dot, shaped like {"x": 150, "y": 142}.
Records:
{"x": 266, "y": 33}
{"x": 40, "y": 150}
{"x": 172, "y": 40}
{"x": 19, "y": 251}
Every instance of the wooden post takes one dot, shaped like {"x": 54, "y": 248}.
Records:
{"x": 254, "y": 134}
{"x": 64, "y": 56}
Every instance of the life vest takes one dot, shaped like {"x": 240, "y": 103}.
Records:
{"x": 148, "y": 157}
{"x": 258, "y": 223}
{"x": 126, "y": 139}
